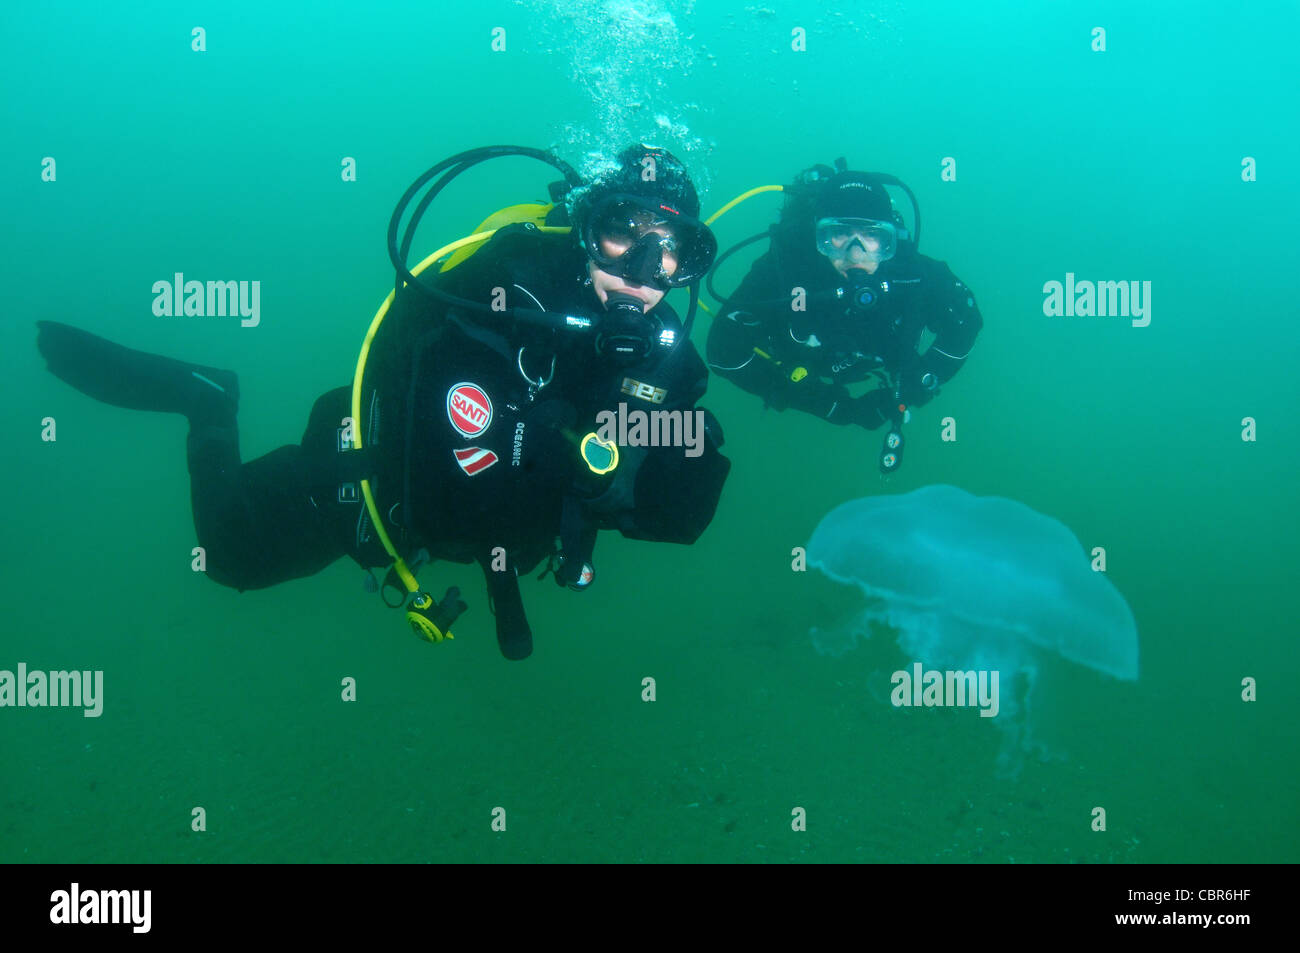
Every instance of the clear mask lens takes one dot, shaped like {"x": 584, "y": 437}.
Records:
{"x": 629, "y": 222}
{"x": 857, "y": 239}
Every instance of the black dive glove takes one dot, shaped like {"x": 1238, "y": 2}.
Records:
{"x": 868, "y": 411}
{"x": 917, "y": 385}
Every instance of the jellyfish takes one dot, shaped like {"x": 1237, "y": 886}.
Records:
{"x": 975, "y": 584}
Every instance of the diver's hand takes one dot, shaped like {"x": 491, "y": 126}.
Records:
{"x": 839, "y": 404}
{"x": 868, "y": 411}
{"x": 918, "y": 386}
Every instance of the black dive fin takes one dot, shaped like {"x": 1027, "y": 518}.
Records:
{"x": 120, "y": 376}
{"x": 514, "y": 636}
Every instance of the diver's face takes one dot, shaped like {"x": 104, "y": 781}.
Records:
{"x": 615, "y": 244}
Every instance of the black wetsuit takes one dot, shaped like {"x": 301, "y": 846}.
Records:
{"x": 811, "y": 355}
{"x": 466, "y": 455}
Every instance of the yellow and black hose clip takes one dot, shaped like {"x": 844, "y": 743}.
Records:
{"x": 432, "y": 621}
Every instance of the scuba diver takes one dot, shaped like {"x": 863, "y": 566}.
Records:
{"x": 842, "y": 296}
{"x": 469, "y": 432}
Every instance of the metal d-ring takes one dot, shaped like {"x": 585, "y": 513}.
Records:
{"x": 534, "y": 385}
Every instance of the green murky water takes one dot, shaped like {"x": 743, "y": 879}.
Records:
{"x": 1117, "y": 165}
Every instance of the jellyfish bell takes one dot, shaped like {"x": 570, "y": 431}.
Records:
{"x": 978, "y": 583}
{"x": 978, "y": 571}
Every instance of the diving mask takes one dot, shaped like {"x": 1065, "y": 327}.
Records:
{"x": 641, "y": 240}
{"x": 857, "y": 239}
